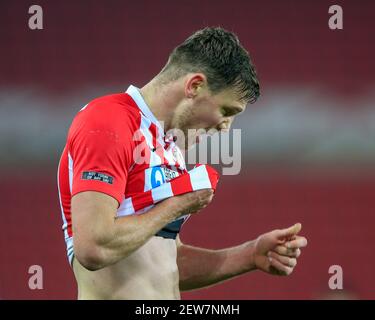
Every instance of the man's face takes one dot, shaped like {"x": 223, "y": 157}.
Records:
{"x": 207, "y": 111}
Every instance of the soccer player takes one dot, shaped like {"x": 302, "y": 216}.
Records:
{"x": 125, "y": 191}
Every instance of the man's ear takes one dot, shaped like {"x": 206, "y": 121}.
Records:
{"x": 194, "y": 84}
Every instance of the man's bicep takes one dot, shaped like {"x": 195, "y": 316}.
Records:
{"x": 92, "y": 215}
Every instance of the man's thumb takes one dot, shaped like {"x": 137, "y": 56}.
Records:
{"x": 291, "y": 231}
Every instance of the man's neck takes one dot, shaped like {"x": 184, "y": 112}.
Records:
{"x": 162, "y": 99}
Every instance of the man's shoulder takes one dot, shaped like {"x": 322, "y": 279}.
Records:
{"x": 115, "y": 112}
{"x": 113, "y": 108}
{"x": 113, "y": 103}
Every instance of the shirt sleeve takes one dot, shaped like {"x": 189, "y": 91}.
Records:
{"x": 101, "y": 150}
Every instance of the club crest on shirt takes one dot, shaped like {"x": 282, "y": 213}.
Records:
{"x": 177, "y": 156}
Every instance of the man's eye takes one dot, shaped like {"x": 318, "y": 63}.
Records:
{"x": 228, "y": 112}
{"x": 224, "y": 112}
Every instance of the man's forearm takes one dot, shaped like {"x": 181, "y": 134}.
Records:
{"x": 200, "y": 267}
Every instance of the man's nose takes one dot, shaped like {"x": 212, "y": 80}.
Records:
{"x": 224, "y": 126}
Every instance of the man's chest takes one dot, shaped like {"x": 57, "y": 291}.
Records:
{"x": 163, "y": 165}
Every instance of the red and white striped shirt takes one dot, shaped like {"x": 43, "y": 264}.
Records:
{"x": 116, "y": 146}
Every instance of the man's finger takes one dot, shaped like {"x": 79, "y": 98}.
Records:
{"x": 286, "y": 261}
{"x": 279, "y": 267}
{"x": 284, "y": 251}
{"x": 289, "y": 232}
{"x": 299, "y": 242}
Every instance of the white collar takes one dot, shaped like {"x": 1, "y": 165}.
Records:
{"x": 141, "y": 103}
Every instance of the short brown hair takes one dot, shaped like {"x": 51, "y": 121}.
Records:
{"x": 218, "y": 54}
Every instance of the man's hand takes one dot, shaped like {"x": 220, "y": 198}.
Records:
{"x": 276, "y": 252}
{"x": 193, "y": 202}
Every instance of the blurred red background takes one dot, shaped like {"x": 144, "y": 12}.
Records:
{"x": 308, "y": 144}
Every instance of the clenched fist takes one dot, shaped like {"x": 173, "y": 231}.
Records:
{"x": 276, "y": 252}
